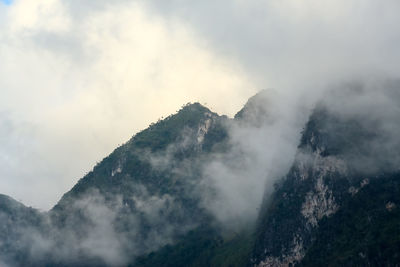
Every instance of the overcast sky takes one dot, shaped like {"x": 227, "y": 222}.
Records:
{"x": 79, "y": 77}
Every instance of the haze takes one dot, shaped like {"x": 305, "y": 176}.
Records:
{"x": 77, "y": 78}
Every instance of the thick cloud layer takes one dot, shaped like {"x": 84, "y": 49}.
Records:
{"x": 262, "y": 143}
{"x": 287, "y": 42}
{"x": 367, "y": 122}
{"x": 76, "y": 84}
{"x": 78, "y": 78}
{"x": 95, "y": 232}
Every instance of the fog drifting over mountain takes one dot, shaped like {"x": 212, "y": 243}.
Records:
{"x": 78, "y": 78}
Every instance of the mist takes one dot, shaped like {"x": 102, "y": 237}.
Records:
{"x": 370, "y": 109}
{"x": 81, "y": 58}
{"x": 76, "y": 85}
{"x": 262, "y": 144}
{"x": 80, "y": 78}
{"x": 95, "y": 231}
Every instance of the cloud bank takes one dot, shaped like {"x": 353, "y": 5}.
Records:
{"x": 78, "y": 78}
{"x": 77, "y": 84}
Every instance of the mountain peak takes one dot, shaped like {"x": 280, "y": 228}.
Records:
{"x": 6, "y": 201}
{"x": 194, "y": 107}
{"x": 258, "y": 110}
{"x": 151, "y": 200}
{"x": 160, "y": 134}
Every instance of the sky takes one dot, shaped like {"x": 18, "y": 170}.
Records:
{"x": 7, "y": 2}
{"x": 78, "y": 78}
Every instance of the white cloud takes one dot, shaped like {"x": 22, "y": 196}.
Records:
{"x": 38, "y": 15}
{"x": 86, "y": 84}
{"x": 86, "y": 75}
{"x": 284, "y": 43}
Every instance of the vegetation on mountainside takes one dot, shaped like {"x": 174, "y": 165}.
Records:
{"x": 133, "y": 156}
{"x": 365, "y": 231}
{"x": 203, "y": 246}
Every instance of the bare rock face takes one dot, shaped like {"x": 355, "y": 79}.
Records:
{"x": 322, "y": 177}
{"x": 143, "y": 205}
{"x": 307, "y": 195}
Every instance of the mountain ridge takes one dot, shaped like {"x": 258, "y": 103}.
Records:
{"x": 148, "y": 202}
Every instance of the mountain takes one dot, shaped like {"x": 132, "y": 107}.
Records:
{"x": 15, "y": 221}
{"x": 337, "y": 206}
{"x": 150, "y": 203}
{"x": 149, "y": 186}
{"x": 145, "y": 196}
{"x": 257, "y": 109}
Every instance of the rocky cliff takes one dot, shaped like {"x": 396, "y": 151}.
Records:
{"x": 337, "y": 179}
{"x": 184, "y": 193}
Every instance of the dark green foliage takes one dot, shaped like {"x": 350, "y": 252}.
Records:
{"x": 194, "y": 250}
{"x": 364, "y": 232}
{"x": 128, "y": 173}
{"x": 15, "y": 220}
{"x": 202, "y": 247}
{"x": 281, "y": 216}
{"x": 358, "y": 140}
{"x": 159, "y": 135}
{"x": 337, "y": 135}
{"x": 167, "y": 139}
{"x": 236, "y": 251}
{"x": 256, "y": 108}
{"x": 132, "y": 155}
{"x": 216, "y": 138}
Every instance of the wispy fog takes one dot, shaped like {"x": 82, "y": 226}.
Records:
{"x": 76, "y": 80}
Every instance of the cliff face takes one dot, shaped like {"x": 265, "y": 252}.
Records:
{"x": 143, "y": 196}
{"x": 303, "y": 223}
{"x": 310, "y": 191}
{"x": 151, "y": 203}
